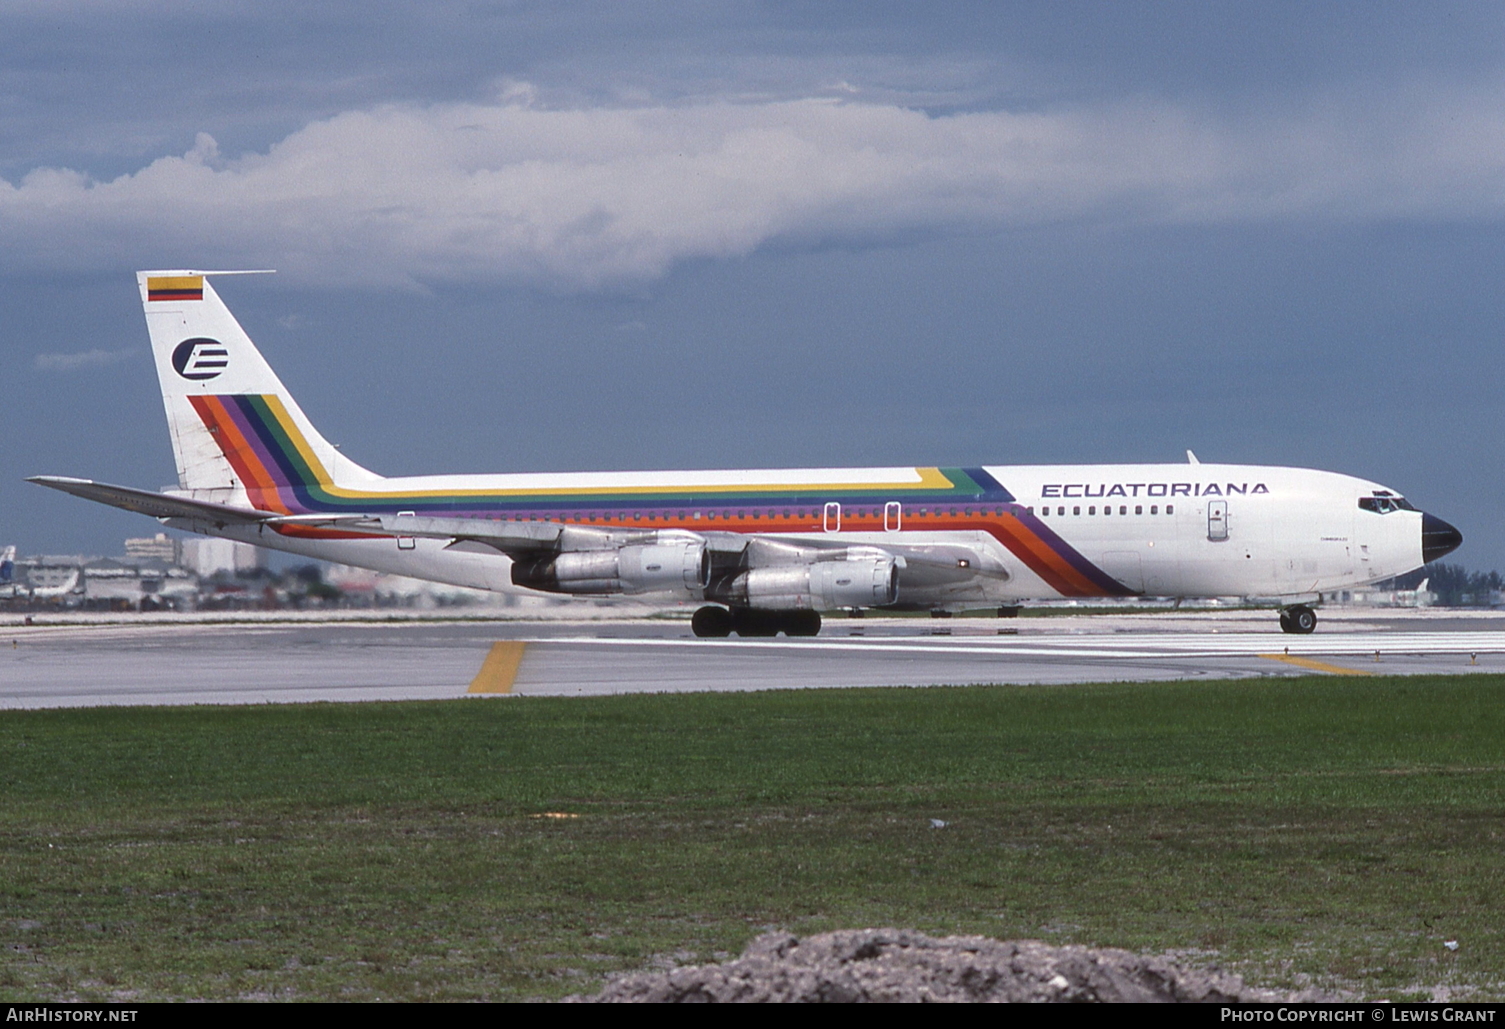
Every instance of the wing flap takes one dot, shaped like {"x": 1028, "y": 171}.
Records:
{"x": 523, "y": 538}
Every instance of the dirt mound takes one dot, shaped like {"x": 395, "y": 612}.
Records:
{"x": 900, "y": 965}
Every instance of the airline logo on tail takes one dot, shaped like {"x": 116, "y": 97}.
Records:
{"x": 200, "y": 358}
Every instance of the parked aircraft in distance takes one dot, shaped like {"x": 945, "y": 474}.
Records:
{"x": 764, "y": 550}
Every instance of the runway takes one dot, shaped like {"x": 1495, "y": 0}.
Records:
{"x": 181, "y": 662}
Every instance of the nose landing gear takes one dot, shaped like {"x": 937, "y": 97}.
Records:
{"x": 1299, "y": 619}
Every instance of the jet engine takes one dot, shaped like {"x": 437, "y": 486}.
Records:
{"x": 821, "y": 585}
{"x": 655, "y": 568}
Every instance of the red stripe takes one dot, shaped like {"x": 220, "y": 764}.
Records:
{"x": 312, "y": 532}
{"x": 261, "y": 485}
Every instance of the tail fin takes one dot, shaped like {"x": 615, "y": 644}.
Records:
{"x": 237, "y": 435}
{"x": 7, "y": 565}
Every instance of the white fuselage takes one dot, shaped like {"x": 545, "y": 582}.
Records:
{"x": 1161, "y": 530}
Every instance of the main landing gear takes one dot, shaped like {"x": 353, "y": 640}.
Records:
{"x": 1299, "y": 619}
{"x": 744, "y": 621}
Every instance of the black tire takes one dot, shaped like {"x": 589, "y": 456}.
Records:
{"x": 760, "y": 624}
{"x": 1285, "y": 623}
{"x": 712, "y": 622}
{"x": 801, "y": 623}
{"x": 1303, "y": 619}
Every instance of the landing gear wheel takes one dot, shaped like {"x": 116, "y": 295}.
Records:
{"x": 752, "y": 622}
{"x": 801, "y": 623}
{"x": 1299, "y": 619}
{"x": 748, "y": 622}
{"x": 714, "y": 622}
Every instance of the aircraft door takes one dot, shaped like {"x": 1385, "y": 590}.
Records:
{"x": 1217, "y": 520}
{"x": 406, "y": 542}
{"x": 893, "y": 516}
{"x": 833, "y": 517}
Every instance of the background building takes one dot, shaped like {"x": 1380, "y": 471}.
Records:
{"x": 206, "y": 555}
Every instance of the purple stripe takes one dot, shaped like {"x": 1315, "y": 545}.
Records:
{"x": 264, "y": 456}
{"x": 1091, "y": 572}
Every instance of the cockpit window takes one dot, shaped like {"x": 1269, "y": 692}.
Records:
{"x": 1384, "y": 504}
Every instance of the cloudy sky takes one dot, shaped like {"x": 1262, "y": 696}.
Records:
{"x": 519, "y": 236}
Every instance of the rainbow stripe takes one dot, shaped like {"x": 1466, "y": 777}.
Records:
{"x": 282, "y": 473}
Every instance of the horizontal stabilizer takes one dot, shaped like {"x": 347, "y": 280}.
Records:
{"x": 156, "y": 505}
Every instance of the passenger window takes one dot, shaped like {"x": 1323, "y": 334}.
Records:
{"x": 1154, "y": 509}
{"x": 1123, "y": 509}
{"x": 1076, "y": 510}
{"x": 1092, "y": 510}
{"x": 1139, "y": 509}
{"x": 1170, "y": 508}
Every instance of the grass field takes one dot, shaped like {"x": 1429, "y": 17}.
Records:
{"x": 1323, "y": 830}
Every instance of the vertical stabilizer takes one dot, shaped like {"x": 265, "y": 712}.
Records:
{"x": 207, "y": 364}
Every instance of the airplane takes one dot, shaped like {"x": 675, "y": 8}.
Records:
{"x": 765, "y": 550}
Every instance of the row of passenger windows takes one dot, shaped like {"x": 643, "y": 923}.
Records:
{"x": 852, "y": 513}
{"x": 1123, "y": 509}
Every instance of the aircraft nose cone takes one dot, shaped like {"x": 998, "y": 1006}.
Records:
{"x": 1438, "y": 538}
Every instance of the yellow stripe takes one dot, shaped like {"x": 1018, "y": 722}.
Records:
{"x": 930, "y": 478}
{"x": 499, "y": 670}
{"x": 175, "y": 282}
{"x": 1316, "y": 666}
{"x": 279, "y": 412}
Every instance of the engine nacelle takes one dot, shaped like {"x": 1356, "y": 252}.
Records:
{"x": 683, "y": 567}
{"x": 821, "y": 585}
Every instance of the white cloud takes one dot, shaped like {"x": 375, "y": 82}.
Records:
{"x": 586, "y": 197}
{"x": 83, "y": 359}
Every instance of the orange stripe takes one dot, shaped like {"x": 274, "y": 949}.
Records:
{"x": 1055, "y": 562}
{"x": 260, "y": 486}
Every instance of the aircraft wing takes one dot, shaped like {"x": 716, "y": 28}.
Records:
{"x": 519, "y": 538}
{"x": 933, "y": 565}
{"x": 156, "y": 505}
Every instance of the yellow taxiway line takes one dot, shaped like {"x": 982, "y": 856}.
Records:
{"x": 1316, "y": 666}
{"x": 499, "y": 670}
